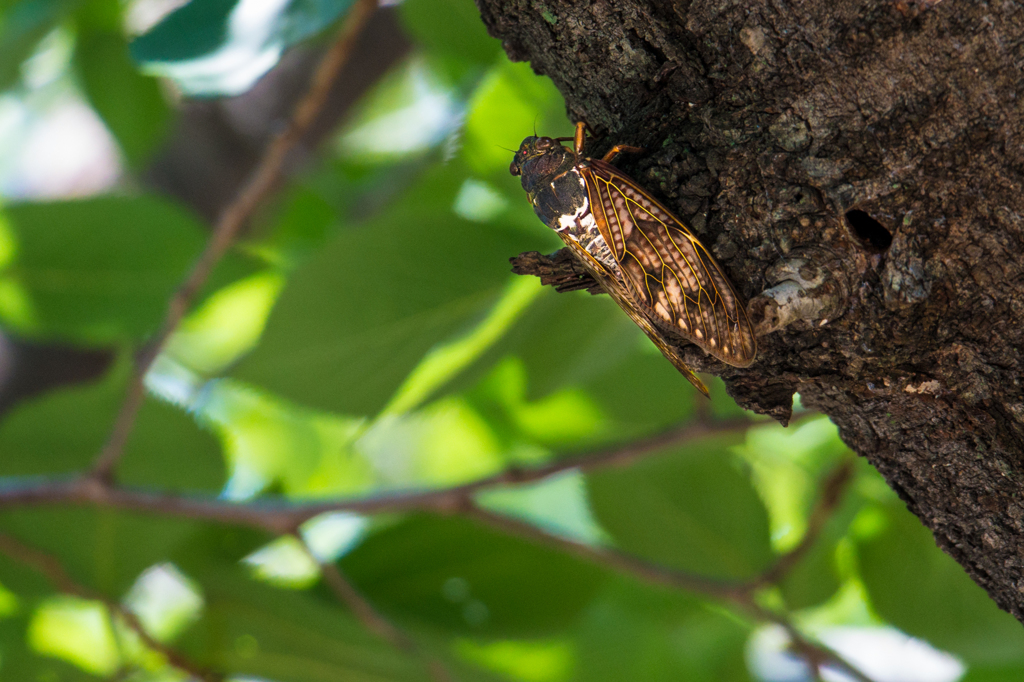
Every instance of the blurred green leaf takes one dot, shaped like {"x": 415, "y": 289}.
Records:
{"x": 922, "y": 591}
{"x": 691, "y": 509}
{"x": 461, "y": 577}
{"x": 221, "y": 47}
{"x": 166, "y": 449}
{"x": 636, "y": 632}
{"x": 585, "y": 347}
{"x": 95, "y": 270}
{"x": 169, "y": 451}
{"x": 454, "y": 36}
{"x": 789, "y": 465}
{"x": 355, "y": 319}
{"x": 814, "y": 578}
{"x": 130, "y": 104}
{"x": 303, "y": 224}
{"x": 227, "y": 325}
{"x": 445, "y": 443}
{"x": 1009, "y": 673}
{"x": 529, "y": 661}
{"x": 22, "y": 663}
{"x": 252, "y": 629}
{"x": 558, "y": 504}
{"x": 449, "y": 358}
{"x": 30, "y": 444}
{"x": 103, "y": 550}
{"x": 509, "y": 104}
{"x": 268, "y": 442}
{"x": 77, "y": 631}
{"x": 22, "y": 25}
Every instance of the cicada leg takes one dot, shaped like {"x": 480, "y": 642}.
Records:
{"x": 617, "y": 149}
{"x": 580, "y": 138}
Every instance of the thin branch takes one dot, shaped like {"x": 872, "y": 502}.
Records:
{"x": 815, "y": 654}
{"x": 611, "y": 558}
{"x": 831, "y": 495}
{"x": 266, "y": 176}
{"x": 52, "y": 569}
{"x": 372, "y": 619}
{"x": 282, "y": 516}
{"x": 738, "y": 595}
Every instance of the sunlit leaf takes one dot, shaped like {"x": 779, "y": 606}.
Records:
{"x": 78, "y": 631}
{"x": 284, "y": 562}
{"x": 269, "y": 441}
{"x": 558, "y": 504}
{"x": 449, "y": 358}
{"x": 445, "y": 443}
{"x": 164, "y": 600}
{"x": 529, "y": 661}
{"x": 355, "y": 319}
{"x": 509, "y": 104}
{"x": 227, "y": 325}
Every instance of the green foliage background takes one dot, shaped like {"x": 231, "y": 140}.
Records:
{"x": 344, "y": 351}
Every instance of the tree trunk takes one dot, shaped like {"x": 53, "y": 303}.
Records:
{"x": 879, "y": 142}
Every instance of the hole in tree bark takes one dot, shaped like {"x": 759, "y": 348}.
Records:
{"x": 871, "y": 233}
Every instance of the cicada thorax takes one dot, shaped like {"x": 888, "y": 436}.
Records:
{"x": 553, "y": 178}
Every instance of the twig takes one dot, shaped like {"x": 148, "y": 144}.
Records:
{"x": 828, "y": 501}
{"x": 51, "y": 568}
{"x": 280, "y": 516}
{"x": 371, "y": 618}
{"x": 815, "y": 654}
{"x": 738, "y": 595}
{"x": 267, "y": 174}
{"x": 612, "y": 558}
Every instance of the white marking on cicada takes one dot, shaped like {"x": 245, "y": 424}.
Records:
{"x": 698, "y": 333}
{"x": 569, "y": 220}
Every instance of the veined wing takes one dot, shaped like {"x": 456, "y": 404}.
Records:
{"x": 621, "y": 295}
{"x": 667, "y": 269}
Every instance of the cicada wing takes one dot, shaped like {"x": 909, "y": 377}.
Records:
{"x": 623, "y": 297}
{"x": 667, "y": 269}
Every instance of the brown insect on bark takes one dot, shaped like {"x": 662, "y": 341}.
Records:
{"x": 643, "y": 256}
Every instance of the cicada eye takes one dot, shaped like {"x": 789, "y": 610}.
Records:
{"x": 514, "y": 168}
{"x": 544, "y": 143}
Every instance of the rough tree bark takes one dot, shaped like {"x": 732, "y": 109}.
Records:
{"x": 883, "y": 134}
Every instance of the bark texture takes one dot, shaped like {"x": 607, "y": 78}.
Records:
{"x": 884, "y": 133}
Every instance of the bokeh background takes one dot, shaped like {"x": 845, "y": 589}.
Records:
{"x": 364, "y": 336}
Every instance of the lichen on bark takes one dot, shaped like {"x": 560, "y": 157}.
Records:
{"x": 887, "y": 133}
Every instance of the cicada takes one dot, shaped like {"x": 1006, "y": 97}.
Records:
{"x": 643, "y": 256}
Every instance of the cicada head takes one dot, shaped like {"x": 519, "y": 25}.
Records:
{"x": 539, "y": 159}
{"x": 550, "y": 178}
